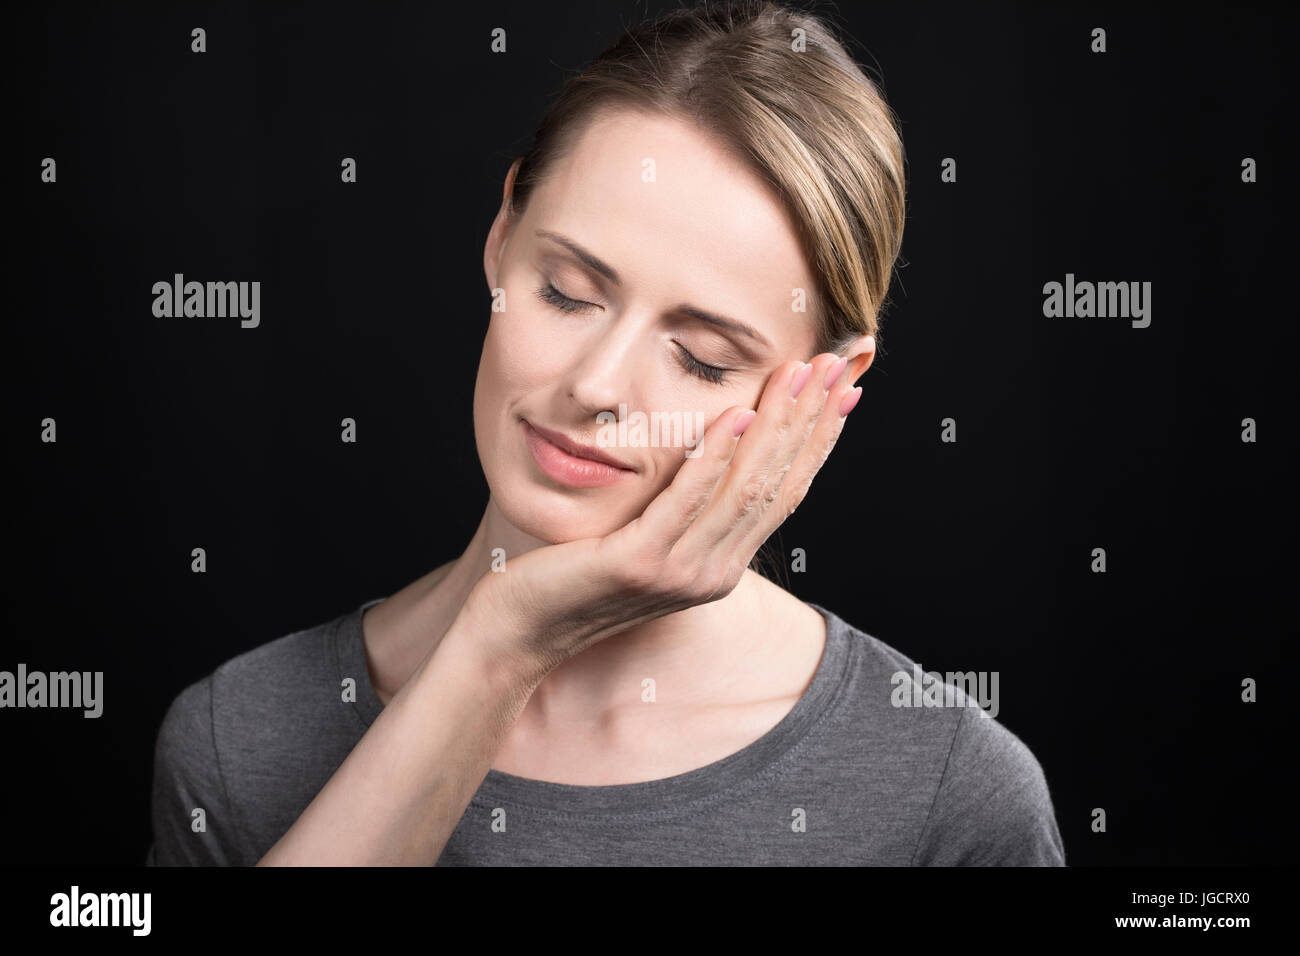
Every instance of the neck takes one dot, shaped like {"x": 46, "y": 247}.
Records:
{"x": 694, "y": 655}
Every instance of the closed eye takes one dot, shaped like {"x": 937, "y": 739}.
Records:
{"x": 709, "y": 373}
{"x": 555, "y": 297}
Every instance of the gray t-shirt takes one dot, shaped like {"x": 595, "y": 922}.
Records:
{"x": 848, "y": 777}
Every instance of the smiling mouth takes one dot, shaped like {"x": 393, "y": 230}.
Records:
{"x": 563, "y": 465}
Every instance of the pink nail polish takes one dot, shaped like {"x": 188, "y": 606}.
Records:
{"x": 742, "y": 422}
{"x": 800, "y": 379}
{"x": 850, "y": 400}
{"x": 836, "y": 371}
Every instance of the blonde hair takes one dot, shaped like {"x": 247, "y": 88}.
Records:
{"x": 806, "y": 118}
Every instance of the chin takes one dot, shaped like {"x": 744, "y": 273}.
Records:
{"x": 553, "y": 516}
{"x": 546, "y": 514}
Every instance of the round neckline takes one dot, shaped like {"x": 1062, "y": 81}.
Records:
{"x": 649, "y": 796}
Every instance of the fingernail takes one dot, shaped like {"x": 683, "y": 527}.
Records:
{"x": 742, "y": 422}
{"x": 800, "y": 379}
{"x": 836, "y": 371}
{"x": 850, "y": 400}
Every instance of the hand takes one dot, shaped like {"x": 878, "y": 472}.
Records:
{"x": 694, "y": 541}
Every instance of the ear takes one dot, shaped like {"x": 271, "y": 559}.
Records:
{"x": 861, "y": 353}
{"x": 497, "y": 235}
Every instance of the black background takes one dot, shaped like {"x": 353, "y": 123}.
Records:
{"x": 1073, "y": 433}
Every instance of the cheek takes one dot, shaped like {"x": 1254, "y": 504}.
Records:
{"x": 495, "y": 387}
{"x": 522, "y": 349}
{"x": 519, "y": 356}
{"x": 697, "y": 417}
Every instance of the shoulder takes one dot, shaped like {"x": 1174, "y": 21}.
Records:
{"x": 971, "y": 790}
{"x": 282, "y": 679}
{"x": 240, "y": 739}
{"x": 278, "y": 679}
{"x": 993, "y": 806}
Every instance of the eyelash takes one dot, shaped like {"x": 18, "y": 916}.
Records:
{"x": 709, "y": 373}
{"x": 555, "y": 297}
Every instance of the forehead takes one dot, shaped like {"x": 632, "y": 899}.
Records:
{"x": 682, "y": 220}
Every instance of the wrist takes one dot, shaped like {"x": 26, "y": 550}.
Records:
{"x": 496, "y": 646}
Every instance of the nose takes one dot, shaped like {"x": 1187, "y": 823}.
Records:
{"x": 601, "y": 374}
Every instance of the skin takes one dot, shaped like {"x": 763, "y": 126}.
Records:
{"x": 706, "y": 232}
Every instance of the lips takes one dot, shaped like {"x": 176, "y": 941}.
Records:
{"x": 576, "y": 449}
{"x": 564, "y": 461}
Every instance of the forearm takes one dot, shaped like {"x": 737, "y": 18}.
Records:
{"x": 400, "y": 793}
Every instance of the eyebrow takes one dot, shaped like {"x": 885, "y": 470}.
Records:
{"x": 604, "y": 269}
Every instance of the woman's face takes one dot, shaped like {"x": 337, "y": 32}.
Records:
{"x": 603, "y": 291}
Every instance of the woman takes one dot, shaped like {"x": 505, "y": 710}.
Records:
{"x": 704, "y": 227}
